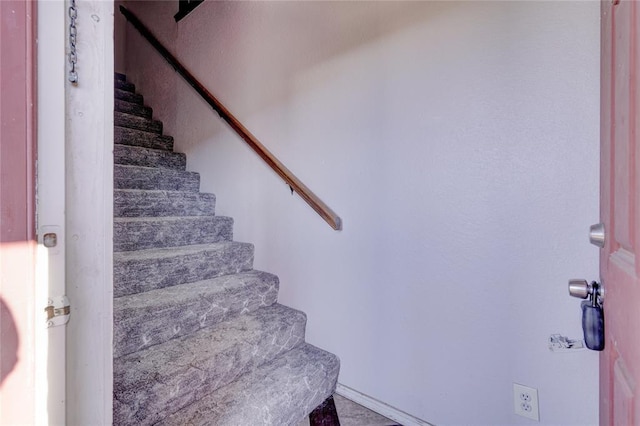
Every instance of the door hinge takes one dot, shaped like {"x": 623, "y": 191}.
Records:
{"x": 57, "y": 311}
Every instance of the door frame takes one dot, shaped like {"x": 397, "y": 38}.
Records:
{"x": 81, "y": 115}
{"x": 89, "y": 209}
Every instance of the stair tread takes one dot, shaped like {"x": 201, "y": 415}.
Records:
{"x": 124, "y": 85}
{"x": 128, "y": 96}
{"x": 168, "y": 218}
{"x": 141, "y": 319}
{"x": 143, "y": 177}
{"x": 160, "y": 191}
{"x": 129, "y": 155}
{"x": 132, "y": 108}
{"x": 154, "y": 382}
{"x": 132, "y": 167}
{"x": 281, "y": 392}
{"x": 153, "y": 202}
{"x": 134, "y": 137}
{"x": 147, "y": 149}
{"x": 144, "y": 270}
{"x": 144, "y": 148}
{"x": 127, "y": 306}
{"x": 137, "y": 233}
{"x": 159, "y": 253}
{"x": 133, "y": 121}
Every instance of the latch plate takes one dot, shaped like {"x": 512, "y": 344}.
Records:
{"x": 57, "y": 311}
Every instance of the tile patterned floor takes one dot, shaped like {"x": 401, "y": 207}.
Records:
{"x": 352, "y": 414}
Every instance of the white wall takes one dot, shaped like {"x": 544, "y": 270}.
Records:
{"x": 459, "y": 143}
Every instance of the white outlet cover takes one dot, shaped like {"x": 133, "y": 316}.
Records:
{"x": 525, "y": 401}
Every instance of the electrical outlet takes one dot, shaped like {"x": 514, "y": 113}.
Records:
{"x": 525, "y": 401}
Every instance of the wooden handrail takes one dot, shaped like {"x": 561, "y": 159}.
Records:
{"x": 294, "y": 183}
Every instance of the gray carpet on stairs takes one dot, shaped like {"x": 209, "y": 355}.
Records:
{"x": 140, "y": 203}
{"x": 199, "y": 338}
{"x": 125, "y": 136}
{"x": 139, "y": 233}
{"x": 129, "y": 155}
{"x": 142, "y": 317}
{"x": 281, "y": 392}
{"x": 133, "y": 108}
{"x": 139, "y": 177}
{"x": 144, "y": 270}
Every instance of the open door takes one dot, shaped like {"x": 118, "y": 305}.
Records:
{"x": 18, "y": 381}
{"x": 56, "y": 290}
{"x": 619, "y": 212}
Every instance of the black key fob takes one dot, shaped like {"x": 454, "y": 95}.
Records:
{"x": 593, "y": 325}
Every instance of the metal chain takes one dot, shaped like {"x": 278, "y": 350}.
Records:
{"x": 73, "y": 56}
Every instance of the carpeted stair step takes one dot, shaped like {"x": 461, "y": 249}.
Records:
{"x": 141, "y": 233}
{"x": 138, "y": 203}
{"x": 147, "y": 157}
{"x": 126, "y": 136}
{"x": 144, "y": 270}
{"x": 131, "y": 121}
{"x": 125, "y": 85}
{"x": 153, "y": 317}
{"x": 131, "y": 108}
{"x": 124, "y": 95}
{"x": 281, "y": 392}
{"x": 136, "y": 177}
{"x": 155, "y": 382}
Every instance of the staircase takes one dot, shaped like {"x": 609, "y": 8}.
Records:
{"x": 199, "y": 338}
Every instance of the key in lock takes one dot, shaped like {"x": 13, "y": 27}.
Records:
{"x": 592, "y": 313}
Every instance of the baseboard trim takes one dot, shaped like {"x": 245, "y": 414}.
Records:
{"x": 379, "y": 407}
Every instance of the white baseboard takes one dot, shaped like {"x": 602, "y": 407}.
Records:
{"x": 379, "y": 407}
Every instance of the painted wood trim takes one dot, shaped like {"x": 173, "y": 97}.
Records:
{"x": 51, "y": 269}
{"x": 89, "y": 223}
{"x": 380, "y": 407}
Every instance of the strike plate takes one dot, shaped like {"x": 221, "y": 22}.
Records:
{"x": 57, "y": 311}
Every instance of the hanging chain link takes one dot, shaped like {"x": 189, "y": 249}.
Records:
{"x": 73, "y": 56}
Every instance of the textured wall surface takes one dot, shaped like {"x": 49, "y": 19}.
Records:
{"x": 459, "y": 143}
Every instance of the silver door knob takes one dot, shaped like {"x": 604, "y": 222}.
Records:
{"x": 583, "y": 289}
{"x": 597, "y": 235}
{"x": 580, "y": 288}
